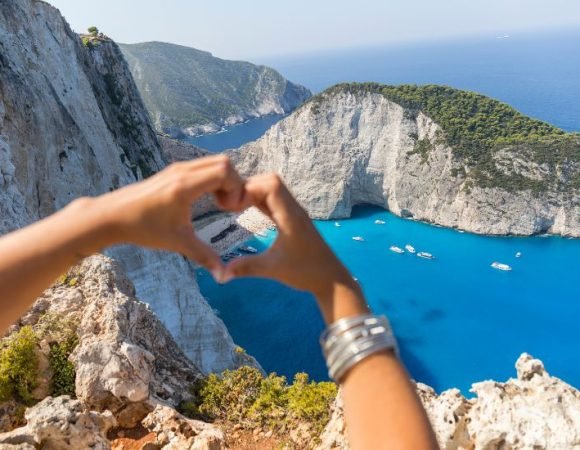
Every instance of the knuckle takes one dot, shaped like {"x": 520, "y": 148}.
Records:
{"x": 275, "y": 181}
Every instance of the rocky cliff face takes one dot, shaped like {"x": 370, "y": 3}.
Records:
{"x": 532, "y": 411}
{"x": 347, "y": 148}
{"x": 188, "y": 91}
{"x": 72, "y": 124}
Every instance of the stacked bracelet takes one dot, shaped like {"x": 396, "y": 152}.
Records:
{"x": 350, "y": 340}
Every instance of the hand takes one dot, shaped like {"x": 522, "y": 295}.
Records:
{"x": 156, "y": 213}
{"x": 299, "y": 257}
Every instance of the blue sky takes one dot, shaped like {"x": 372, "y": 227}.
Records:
{"x": 256, "y": 28}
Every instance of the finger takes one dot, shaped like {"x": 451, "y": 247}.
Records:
{"x": 249, "y": 266}
{"x": 201, "y": 253}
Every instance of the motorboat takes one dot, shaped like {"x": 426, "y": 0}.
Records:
{"x": 396, "y": 249}
{"x": 358, "y": 238}
{"x": 337, "y": 224}
{"x": 501, "y": 266}
{"x": 379, "y": 222}
{"x": 248, "y": 249}
{"x": 518, "y": 254}
{"x": 425, "y": 255}
{"x": 410, "y": 248}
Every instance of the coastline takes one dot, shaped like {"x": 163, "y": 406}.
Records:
{"x": 246, "y": 225}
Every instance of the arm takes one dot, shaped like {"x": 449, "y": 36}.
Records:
{"x": 155, "y": 213}
{"x": 381, "y": 408}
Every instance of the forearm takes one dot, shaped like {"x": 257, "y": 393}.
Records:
{"x": 34, "y": 257}
{"x": 381, "y": 407}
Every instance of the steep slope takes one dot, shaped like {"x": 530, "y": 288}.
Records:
{"x": 190, "y": 91}
{"x": 72, "y": 123}
{"x": 432, "y": 153}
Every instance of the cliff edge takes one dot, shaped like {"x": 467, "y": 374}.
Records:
{"x": 430, "y": 153}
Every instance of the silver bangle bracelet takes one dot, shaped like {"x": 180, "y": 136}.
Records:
{"x": 348, "y": 341}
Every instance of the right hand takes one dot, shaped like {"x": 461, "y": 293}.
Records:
{"x": 299, "y": 257}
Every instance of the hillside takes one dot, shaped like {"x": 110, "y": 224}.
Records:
{"x": 431, "y": 153}
{"x": 190, "y": 91}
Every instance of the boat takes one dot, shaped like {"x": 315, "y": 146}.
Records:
{"x": 396, "y": 249}
{"x": 410, "y": 248}
{"x": 379, "y": 222}
{"x": 260, "y": 234}
{"x": 358, "y": 238}
{"x": 271, "y": 227}
{"x": 461, "y": 231}
{"x": 337, "y": 224}
{"x": 501, "y": 266}
{"x": 248, "y": 249}
{"x": 425, "y": 255}
{"x": 518, "y": 254}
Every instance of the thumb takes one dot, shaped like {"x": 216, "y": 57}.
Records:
{"x": 248, "y": 266}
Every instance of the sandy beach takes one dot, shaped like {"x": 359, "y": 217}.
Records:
{"x": 236, "y": 228}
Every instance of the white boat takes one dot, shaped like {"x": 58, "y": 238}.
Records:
{"x": 518, "y": 254}
{"x": 260, "y": 234}
{"x": 396, "y": 249}
{"x": 358, "y": 238}
{"x": 337, "y": 224}
{"x": 501, "y": 266}
{"x": 425, "y": 255}
{"x": 461, "y": 231}
{"x": 248, "y": 249}
{"x": 410, "y": 248}
{"x": 379, "y": 222}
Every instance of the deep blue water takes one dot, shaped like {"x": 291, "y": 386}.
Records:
{"x": 236, "y": 135}
{"x": 458, "y": 321}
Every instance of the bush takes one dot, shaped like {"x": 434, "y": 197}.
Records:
{"x": 244, "y": 396}
{"x": 93, "y": 30}
{"x": 19, "y": 366}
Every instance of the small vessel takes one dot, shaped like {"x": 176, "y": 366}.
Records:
{"x": 260, "y": 234}
{"x": 396, "y": 249}
{"x": 461, "y": 231}
{"x": 248, "y": 249}
{"x": 355, "y": 278}
{"x": 425, "y": 255}
{"x": 271, "y": 227}
{"x": 337, "y": 224}
{"x": 358, "y": 238}
{"x": 501, "y": 266}
{"x": 379, "y": 222}
{"x": 518, "y": 254}
{"x": 410, "y": 248}
{"x": 231, "y": 255}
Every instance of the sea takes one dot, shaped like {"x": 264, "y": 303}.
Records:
{"x": 458, "y": 320}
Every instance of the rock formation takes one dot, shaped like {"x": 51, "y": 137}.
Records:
{"x": 188, "y": 91}
{"x": 129, "y": 370}
{"x": 72, "y": 123}
{"x": 353, "y": 145}
{"x": 533, "y": 411}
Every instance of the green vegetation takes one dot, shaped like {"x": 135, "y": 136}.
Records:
{"x": 19, "y": 357}
{"x": 94, "y": 31}
{"x": 477, "y": 128}
{"x": 246, "y": 397}
{"x": 184, "y": 87}
{"x": 19, "y": 366}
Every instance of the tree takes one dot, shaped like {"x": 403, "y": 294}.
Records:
{"x": 93, "y": 30}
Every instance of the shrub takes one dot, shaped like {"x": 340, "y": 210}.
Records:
{"x": 246, "y": 397}
{"x": 19, "y": 366}
{"x": 93, "y": 30}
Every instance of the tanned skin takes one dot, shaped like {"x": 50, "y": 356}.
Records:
{"x": 382, "y": 410}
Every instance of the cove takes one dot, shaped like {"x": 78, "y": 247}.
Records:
{"x": 457, "y": 320}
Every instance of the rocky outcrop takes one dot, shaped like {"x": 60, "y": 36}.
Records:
{"x": 533, "y": 411}
{"x": 72, "y": 123}
{"x": 202, "y": 93}
{"x": 129, "y": 370}
{"x": 346, "y": 148}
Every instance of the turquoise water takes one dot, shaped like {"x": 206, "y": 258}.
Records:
{"x": 458, "y": 321}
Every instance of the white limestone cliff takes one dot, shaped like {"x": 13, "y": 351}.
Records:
{"x": 533, "y": 411}
{"x": 347, "y": 149}
{"x": 72, "y": 124}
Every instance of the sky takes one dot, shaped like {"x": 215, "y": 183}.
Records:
{"x": 267, "y": 28}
